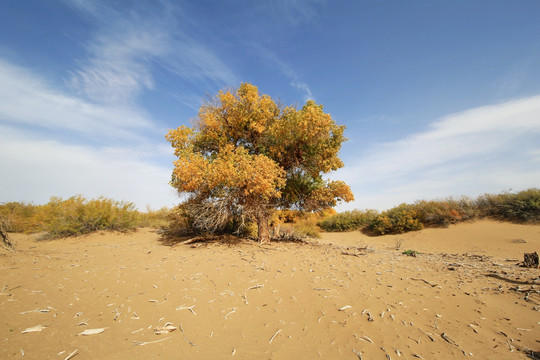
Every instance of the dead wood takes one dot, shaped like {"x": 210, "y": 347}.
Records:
{"x": 5, "y": 241}
{"x": 530, "y": 260}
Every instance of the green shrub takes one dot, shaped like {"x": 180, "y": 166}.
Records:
{"x": 77, "y": 216}
{"x": 156, "y": 219}
{"x": 397, "y": 220}
{"x": 446, "y": 212}
{"x": 307, "y": 227}
{"x": 348, "y": 220}
{"x": 409, "y": 252}
{"x": 518, "y": 207}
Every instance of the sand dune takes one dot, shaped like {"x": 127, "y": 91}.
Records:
{"x": 344, "y": 296}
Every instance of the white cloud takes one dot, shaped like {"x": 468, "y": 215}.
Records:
{"x": 34, "y": 169}
{"x": 487, "y": 149}
{"x": 59, "y": 161}
{"x": 27, "y": 99}
{"x": 128, "y": 47}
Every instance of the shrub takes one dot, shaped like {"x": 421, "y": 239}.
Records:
{"x": 409, "y": 252}
{"x": 445, "y": 212}
{"x": 77, "y": 216}
{"x": 156, "y": 219}
{"x": 348, "y": 221}
{"x": 179, "y": 222}
{"x": 397, "y": 220}
{"x": 307, "y": 227}
{"x": 289, "y": 233}
{"x": 21, "y": 217}
{"x": 519, "y": 207}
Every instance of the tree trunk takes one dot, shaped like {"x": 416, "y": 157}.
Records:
{"x": 263, "y": 228}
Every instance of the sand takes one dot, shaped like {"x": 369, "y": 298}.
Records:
{"x": 345, "y": 296}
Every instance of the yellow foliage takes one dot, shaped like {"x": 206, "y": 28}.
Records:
{"x": 247, "y": 148}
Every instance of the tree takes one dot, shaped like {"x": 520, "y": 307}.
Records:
{"x": 246, "y": 153}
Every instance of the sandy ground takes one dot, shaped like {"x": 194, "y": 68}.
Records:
{"x": 345, "y": 296}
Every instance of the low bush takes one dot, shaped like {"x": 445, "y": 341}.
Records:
{"x": 348, "y": 220}
{"x": 400, "y": 219}
{"x": 523, "y": 206}
{"x": 409, "y": 252}
{"x": 21, "y": 217}
{"x": 155, "y": 219}
{"x": 77, "y": 216}
{"x": 445, "y": 212}
{"x": 307, "y": 227}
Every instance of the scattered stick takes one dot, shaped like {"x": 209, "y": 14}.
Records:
{"x": 34, "y": 329}
{"x": 229, "y": 313}
{"x": 368, "y": 339}
{"x": 72, "y": 355}
{"x": 190, "y": 308}
{"x": 88, "y": 332}
{"x": 142, "y": 343}
{"x": 370, "y": 317}
{"x": 116, "y": 315}
{"x": 427, "y": 282}
{"x": 273, "y": 336}
{"x": 344, "y": 308}
{"x": 256, "y": 286}
{"x": 363, "y": 338}
{"x": 357, "y": 354}
{"x": 37, "y": 311}
{"x": 184, "y": 336}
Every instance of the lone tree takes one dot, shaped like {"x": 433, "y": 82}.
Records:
{"x": 247, "y": 154}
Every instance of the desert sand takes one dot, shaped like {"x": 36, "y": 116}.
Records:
{"x": 344, "y": 296}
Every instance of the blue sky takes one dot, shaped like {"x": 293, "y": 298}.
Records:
{"x": 440, "y": 98}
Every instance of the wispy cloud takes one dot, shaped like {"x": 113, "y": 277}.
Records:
{"x": 52, "y": 143}
{"x": 297, "y": 11}
{"x": 28, "y": 99}
{"x": 285, "y": 69}
{"x": 128, "y": 47}
{"x": 487, "y": 149}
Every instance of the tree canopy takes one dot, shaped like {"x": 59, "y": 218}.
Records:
{"x": 253, "y": 155}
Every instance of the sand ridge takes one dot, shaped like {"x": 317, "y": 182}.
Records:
{"x": 342, "y": 297}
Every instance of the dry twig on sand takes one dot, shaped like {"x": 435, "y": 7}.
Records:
{"x": 230, "y": 312}
{"x": 36, "y": 328}
{"x": 190, "y": 308}
{"x": 70, "y": 356}
{"x": 142, "y": 343}
{"x": 273, "y": 336}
